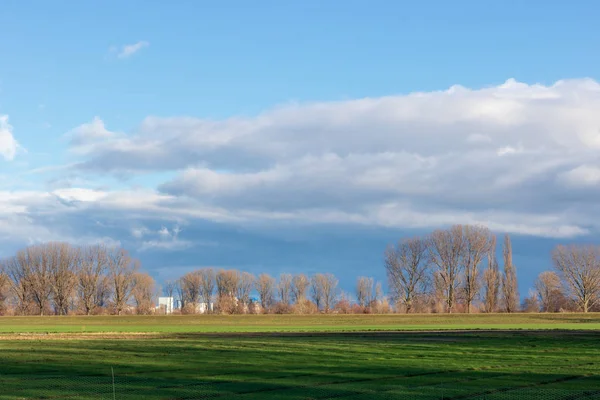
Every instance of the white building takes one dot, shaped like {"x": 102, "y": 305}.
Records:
{"x": 165, "y": 305}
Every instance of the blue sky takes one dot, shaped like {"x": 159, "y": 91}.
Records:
{"x": 297, "y": 136}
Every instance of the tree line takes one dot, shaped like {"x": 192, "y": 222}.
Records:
{"x": 456, "y": 269}
{"x": 448, "y": 270}
{"x": 61, "y": 279}
{"x": 229, "y": 292}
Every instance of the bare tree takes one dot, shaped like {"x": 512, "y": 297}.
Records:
{"x": 64, "y": 263}
{"x": 531, "y": 303}
{"x": 549, "y": 291}
{"x": 103, "y": 292}
{"x": 170, "y": 288}
{"x": 300, "y": 285}
{"x": 438, "y": 292}
{"x": 92, "y": 266}
{"x": 446, "y": 248}
{"x": 227, "y": 282}
{"x": 121, "y": 269}
{"x": 491, "y": 280}
{"x": 245, "y": 285}
{"x": 180, "y": 290}
{"x": 191, "y": 285}
{"x": 406, "y": 265}
{"x": 284, "y": 288}
{"x": 143, "y": 292}
{"x": 207, "y": 287}
{"x": 324, "y": 290}
{"x": 364, "y": 291}
{"x": 265, "y": 286}
{"x": 477, "y": 243}
{"x": 510, "y": 289}
{"x": 19, "y": 286}
{"x": 35, "y": 261}
{"x": 579, "y": 266}
{"x": 4, "y": 289}
{"x": 379, "y": 296}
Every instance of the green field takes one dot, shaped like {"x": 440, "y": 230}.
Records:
{"x": 341, "y": 357}
{"x": 295, "y": 323}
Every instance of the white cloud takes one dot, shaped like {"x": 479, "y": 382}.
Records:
{"x": 79, "y": 194}
{"x": 501, "y": 155}
{"x": 83, "y": 138}
{"x": 170, "y": 245}
{"x": 167, "y": 240}
{"x": 582, "y": 176}
{"x": 507, "y": 150}
{"x": 139, "y": 232}
{"x": 8, "y": 144}
{"x": 130, "y": 49}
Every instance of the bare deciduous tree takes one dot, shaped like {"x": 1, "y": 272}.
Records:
{"x": 300, "y": 284}
{"x": 64, "y": 263}
{"x": 324, "y": 290}
{"x": 491, "y": 280}
{"x": 180, "y": 290}
{"x": 284, "y": 288}
{"x": 379, "y": 296}
{"x": 207, "y": 287}
{"x": 406, "y": 265}
{"x": 438, "y": 292}
{"x": 121, "y": 269}
{"x": 579, "y": 266}
{"x": 531, "y": 303}
{"x": 510, "y": 289}
{"x": 143, "y": 292}
{"x": 445, "y": 251}
{"x": 170, "y": 288}
{"x": 92, "y": 266}
{"x": 364, "y": 291}
{"x": 103, "y": 292}
{"x": 264, "y": 286}
{"x": 18, "y": 284}
{"x": 227, "y": 282}
{"x": 549, "y": 291}
{"x": 191, "y": 286}
{"x": 4, "y": 289}
{"x": 35, "y": 261}
{"x": 477, "y": 242}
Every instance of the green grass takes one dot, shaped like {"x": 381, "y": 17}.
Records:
{"x": 182, "y": 361}
{"x": 294, "y": 323}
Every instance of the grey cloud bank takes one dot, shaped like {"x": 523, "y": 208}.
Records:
{"x": 516, "y": 157}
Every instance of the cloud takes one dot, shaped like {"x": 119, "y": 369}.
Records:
{"x": 507, "y": 150}
{"x": 8, "y": 144}
{"x": 504, "y": 156}
{"x": 582, "y": 176}
{"x": 92, "y": 133}
{"x": 139, "y": 232}
{"x": 166, "y": 240}
{"x": 85, "y": 216}
{"x": 128, "y": 50}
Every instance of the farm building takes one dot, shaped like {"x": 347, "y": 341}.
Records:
{"x": 166, "y": 305}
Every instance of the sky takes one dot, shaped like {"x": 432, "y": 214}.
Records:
{"x": 301, "y": 136}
